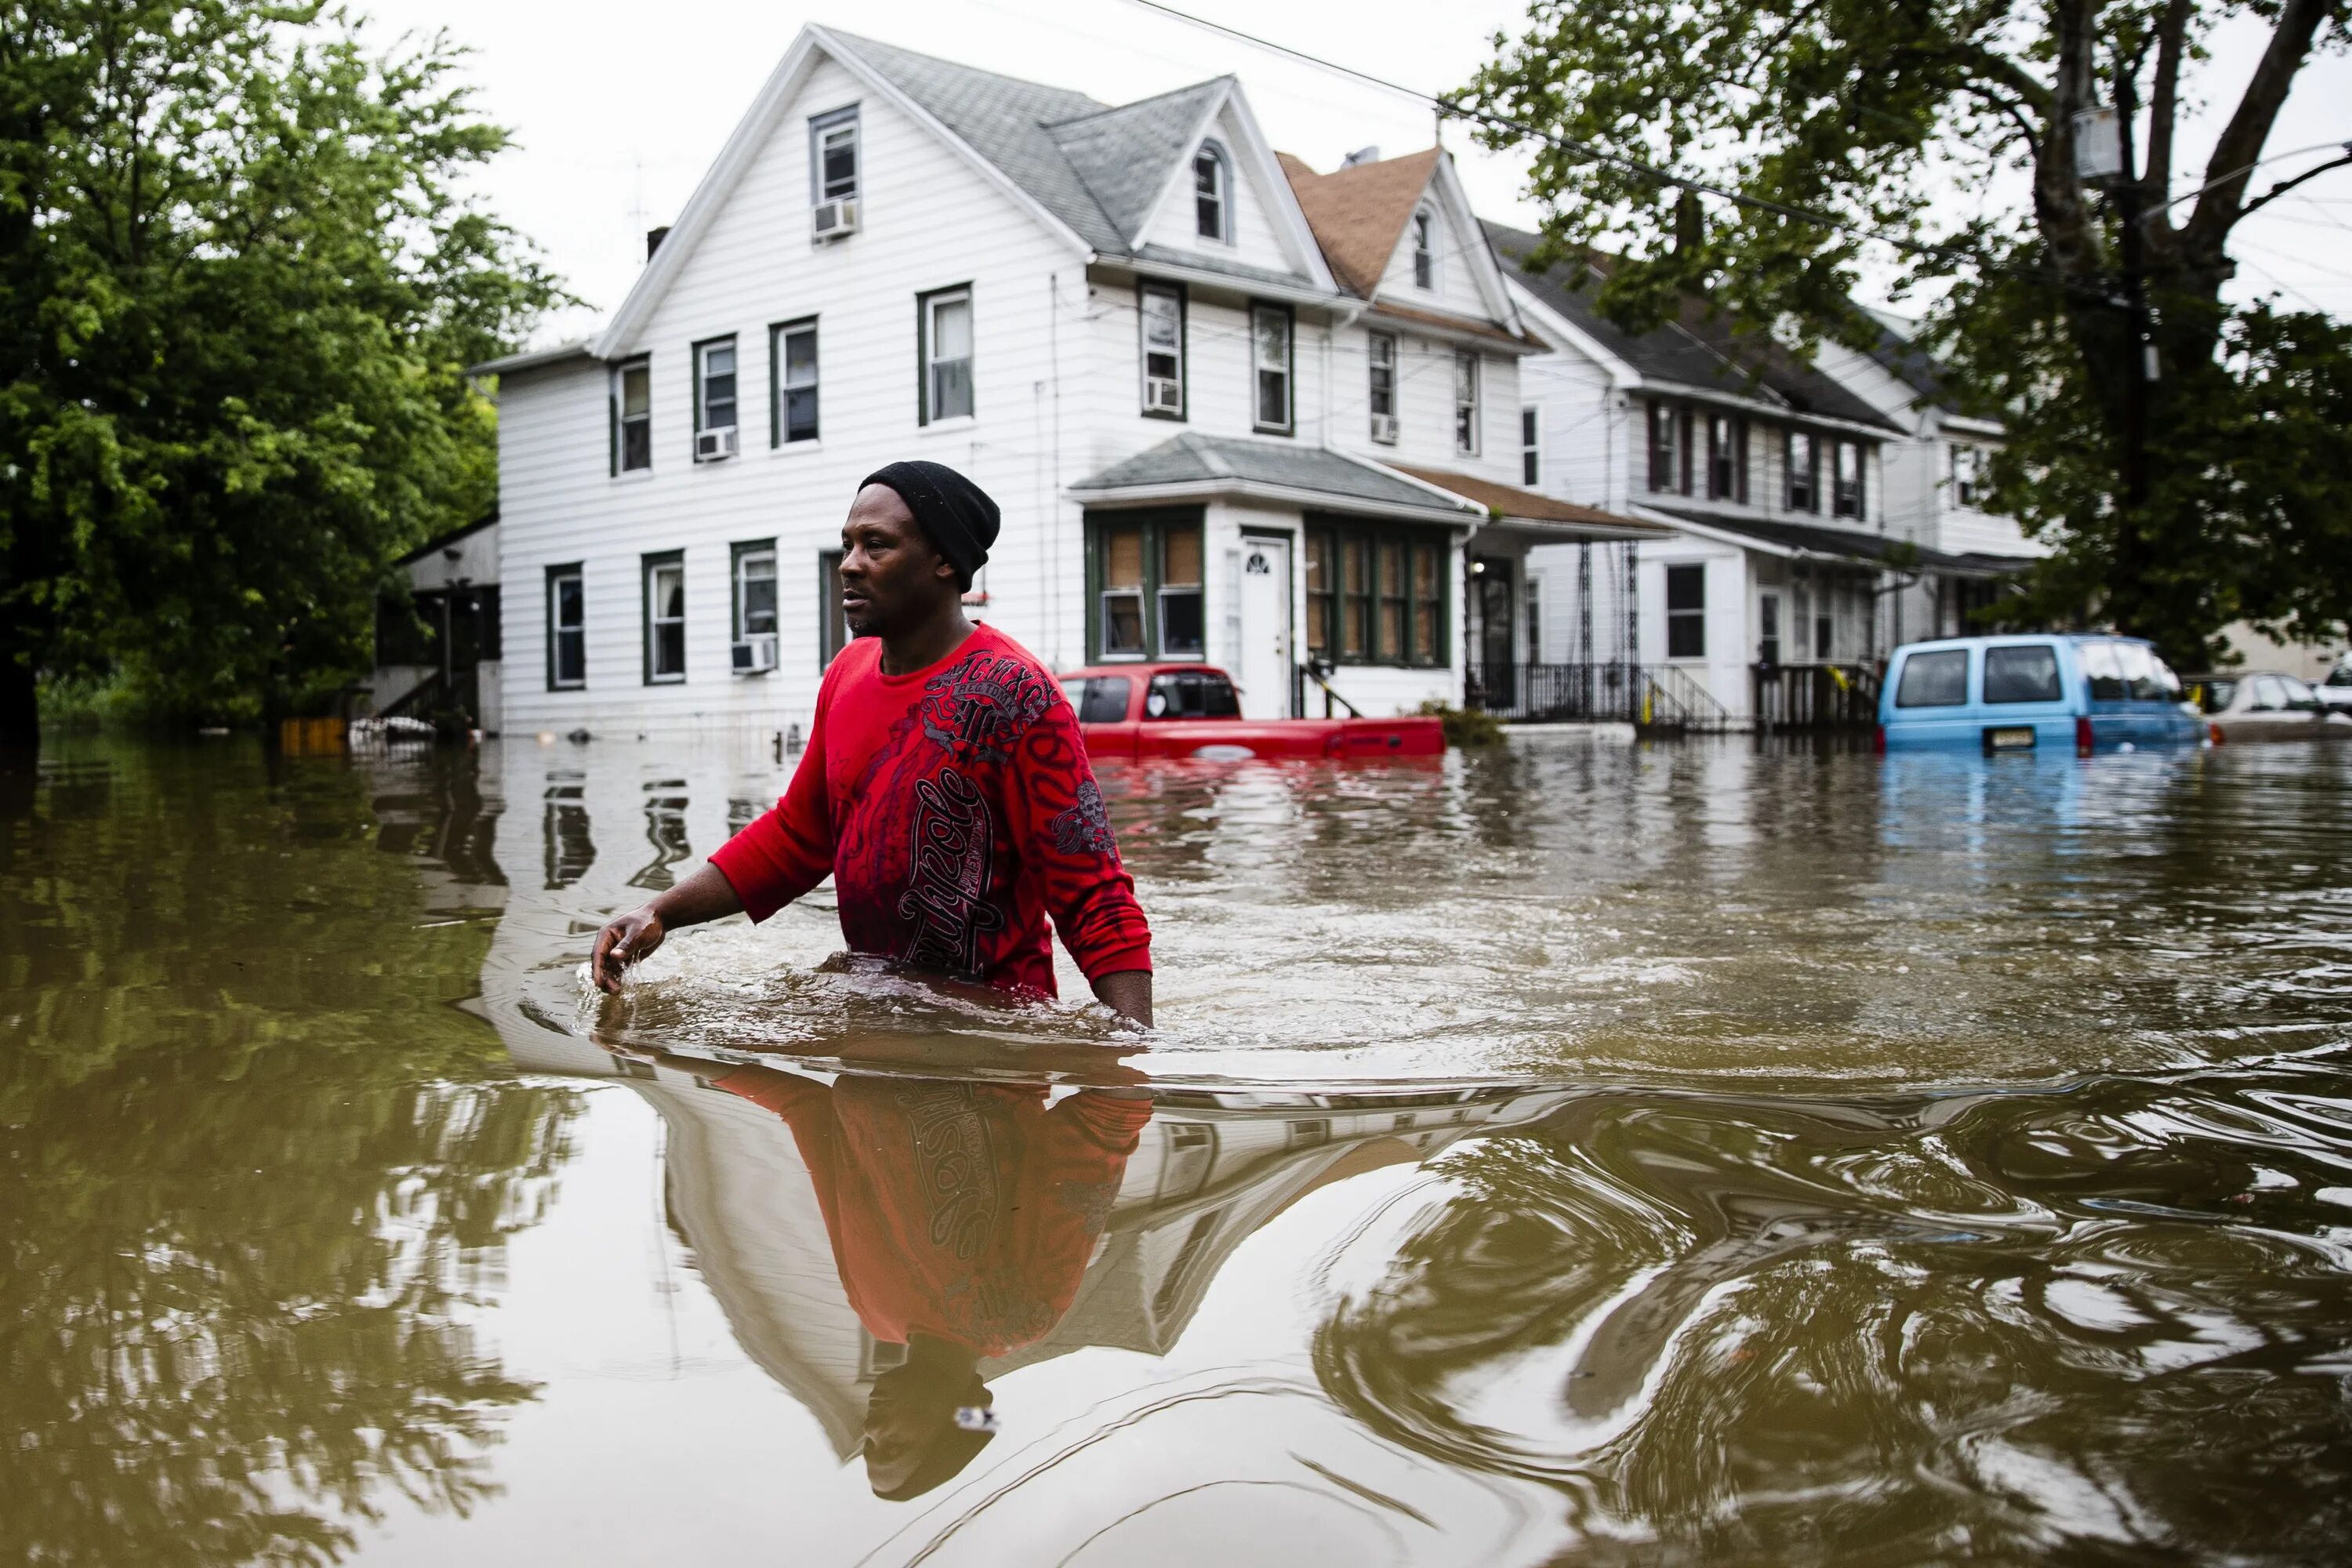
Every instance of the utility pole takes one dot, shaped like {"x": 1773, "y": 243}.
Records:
{"x": 2105, "y": 157}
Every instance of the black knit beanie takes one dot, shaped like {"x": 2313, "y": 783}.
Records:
{"x": 955, "y": 514}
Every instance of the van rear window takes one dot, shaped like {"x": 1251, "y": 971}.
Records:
{"x": 1934, "y": 680}
{"x": 2104, "y": 670}
{"x": 2027, "y": 674}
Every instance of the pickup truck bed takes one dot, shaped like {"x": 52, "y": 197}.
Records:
{"x": 1191, "y": 710}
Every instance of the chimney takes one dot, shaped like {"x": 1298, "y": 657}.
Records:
{"x": 654, "y": 236}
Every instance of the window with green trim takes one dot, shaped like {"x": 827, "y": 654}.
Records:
{"x": 1143, "y": 573}
{"x": 1375, "y": 592}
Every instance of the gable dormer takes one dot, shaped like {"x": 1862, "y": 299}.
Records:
{"x": 1188, "y": 176}
{"x": 1400, "y": 231}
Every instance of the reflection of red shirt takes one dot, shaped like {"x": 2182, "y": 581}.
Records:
{"x": 968, "y": 1210}
{"x": 955, "y": 809}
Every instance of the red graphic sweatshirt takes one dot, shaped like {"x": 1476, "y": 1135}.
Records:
{"x": 955, "y": 809}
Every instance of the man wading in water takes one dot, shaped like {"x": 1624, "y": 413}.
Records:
{"x": 945, "y": 788}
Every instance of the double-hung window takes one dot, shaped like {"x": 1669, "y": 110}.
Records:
{"x": 1375, "y": 592}
{"x": 1726, "y": 458}
{"x": 665, "y": 610}
{"x": 791, "y": 386}
{"x": 1380, "y": 349}
{"x": 567, "y": 628}
{"x": 1805, "y": 467}
{"x": 755, "y": 589}
{"x": 1146, "y": 568}
{"x": 1967, "y": 476}
{"x": 1160, "y": 306}
{"x": 714, "y": 393}
{"x": 1686, "y": 611}
{"x": 943, "y": 324}
{"x": 1270, "y": 364}
{"x": 1670, "y": 434}
{"x": 1465, "y": 402}
{"x": 1424, "y": 249}
{"x": 633, "y": 416}
{"x": 832, "y": 166}
{"x": 1530, "y": 447}
{"x": 1212, "y": 194}
{"x": 1845, "y": 496}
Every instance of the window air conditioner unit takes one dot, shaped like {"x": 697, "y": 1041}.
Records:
{"x": 1161, "y": 395}
{"x": 755, "y": 655}
{"x": 709, "y": 446}
{"x": 836, "y": 220}
{"x": 1384, "y": 428}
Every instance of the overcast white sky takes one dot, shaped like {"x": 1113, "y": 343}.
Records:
{"x": 619, "y": 107}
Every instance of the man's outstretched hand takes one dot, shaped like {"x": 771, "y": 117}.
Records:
{"x": 630, "y": 938}
{"x": 625, "y": 940}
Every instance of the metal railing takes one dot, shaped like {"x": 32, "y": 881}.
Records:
{"x": 1814, "y": 696}
{"x": 1650, "y": 697}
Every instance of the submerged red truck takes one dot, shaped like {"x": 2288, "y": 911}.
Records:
{"x": 1191, "y": 711}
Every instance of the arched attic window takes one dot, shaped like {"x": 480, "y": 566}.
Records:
{"x": 1213, "y": 193}
{"x": 1424, "y": 249}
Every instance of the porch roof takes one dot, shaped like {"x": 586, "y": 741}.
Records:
{"x": 1195, "y": 467}
{"x": 1538, "y": 513}
{"x": 1806, "y": 539}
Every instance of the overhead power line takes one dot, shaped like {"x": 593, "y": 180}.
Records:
{"x": 1604, "y": 156}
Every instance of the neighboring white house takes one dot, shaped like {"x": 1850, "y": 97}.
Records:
{"x": 1776, "y": 477}
{"x": 1116, "y": 319}
{"x": 439, "y": 653}
{"x": 1935, "y": 491}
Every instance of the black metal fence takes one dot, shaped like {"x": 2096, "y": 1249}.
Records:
{"x": 1652, "y": 696}
{"x": 1814, "y": 696}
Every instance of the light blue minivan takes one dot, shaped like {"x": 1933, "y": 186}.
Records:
{"x": 2033, "y": 692}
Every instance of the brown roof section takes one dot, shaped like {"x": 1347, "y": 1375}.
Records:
{"x": 1358, "y": 214}
{"x": 1509, "y": 500}
{"x": 1385, "y": 310}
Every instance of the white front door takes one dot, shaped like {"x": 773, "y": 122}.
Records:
{"x": 1264, "y": 674}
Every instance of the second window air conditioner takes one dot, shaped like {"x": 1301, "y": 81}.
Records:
{"x": 837, "y": 219}
{"x": 755, "y": 655}
{"x": 709, "y": 446}
{"x": 1384, "y": 428}
{"x": 1162, "y": 395}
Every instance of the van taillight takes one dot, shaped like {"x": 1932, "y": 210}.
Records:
{"x": 1879, "y": 744}
{"x": 2215, "y": 730}
{"x": 2083, "y": 736}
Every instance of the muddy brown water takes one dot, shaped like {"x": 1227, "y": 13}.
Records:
{"x": 1589, "y": 1153}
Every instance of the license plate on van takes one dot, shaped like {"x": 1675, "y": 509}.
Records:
{"x": 2020, "y": 739}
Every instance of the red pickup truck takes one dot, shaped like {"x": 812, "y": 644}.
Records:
{"x": 1191, "y": 710}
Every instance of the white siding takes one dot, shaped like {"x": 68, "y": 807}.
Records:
{"x": 1256, "y": 240}
{"x": 1458, "y": 261}
{"x": 753, "y": 267}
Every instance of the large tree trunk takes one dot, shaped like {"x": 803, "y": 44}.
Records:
{"x": 20, "y": 707}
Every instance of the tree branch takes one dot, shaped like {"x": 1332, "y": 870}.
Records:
{"x": 2164, "y": 102}
{"x": 2283, "y": 186}
{"x": 2241, "y": 143}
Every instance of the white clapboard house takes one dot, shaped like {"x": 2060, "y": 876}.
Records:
{"x": 1808, "y": 536}
{"x": 1208, "y": 442}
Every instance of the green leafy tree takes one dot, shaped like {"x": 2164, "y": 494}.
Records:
{"x": 1792, "y": 130}
{"x": 240, "y": 283}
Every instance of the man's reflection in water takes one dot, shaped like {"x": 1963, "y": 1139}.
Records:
{"x": 962, "y": 1216}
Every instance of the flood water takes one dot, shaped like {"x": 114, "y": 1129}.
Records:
{"x": 1587, "y": 1152}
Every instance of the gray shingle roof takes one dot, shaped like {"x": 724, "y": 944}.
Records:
{"x": 1699, "y": 350}
{"x": 1194, "y": 459}
{"x": 1852, "y": 543}
{"x": 1124, "y": 155}
{"x": 1004, "y": 120}
{"x": 1095, "y": 167}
